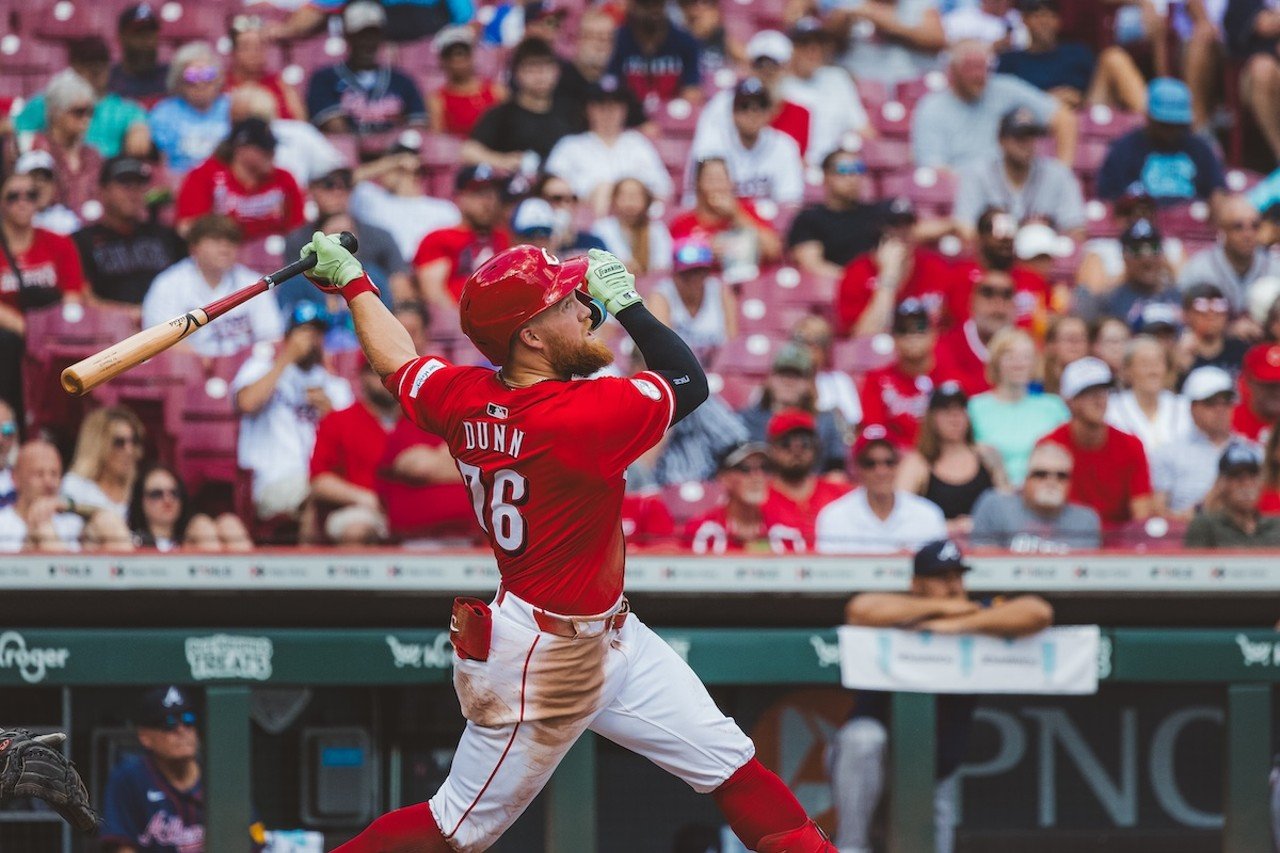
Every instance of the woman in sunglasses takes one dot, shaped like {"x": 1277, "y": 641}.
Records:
{"x": 105, "y": 464}
{"x": 189, "y": 124}
{"x": 160, "y": 517}
{"x": 69, "y": 104}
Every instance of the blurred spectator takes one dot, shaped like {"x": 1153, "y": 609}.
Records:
{"x": 389, "y": 194}
{"x": 716, "y": 48}
{"x": 39, "y": 519}
{"x": 876, "y": 517}
{"x": 947, "y": 466}
{"x": 646, "y": 519}
{"x": 1066, "y": 340}
{"x": 695, "y": 444}
{"x": 567, "y": 240}
{"x": 631, "y": 232}
{"x": 139, "y": 76}
{"x": 1027, "y": 185}
{"x": 896, "y": 395}
{"x": 464, "y": 96}
{"x": 1238, "y": 259}
{"x": 1039, "y": 248}
{"x": 889, "y": 41}
{"x": 962, "y": 352}
{"x": 1033, "y": 296}
{"x": 790, "y": 385}
{"x": 189, "y": 124}
{"x": 405, "y": 21}
{"x": 447, "y": 256}
{"x": 1202, "y": 60}
{"x": 745, "y": 521}
{"x": 796, "y": 492}
{"x": 1108, "y": 337}
{"x": 1069, "y": 70}
{"x": 210, "y": 273}
{"x": 1037, "y": 519}
{"x": 1206, "y": 310}
{"x": 105, "y": 464}
{"x": 420, "y": 488}
{"x": 1010, "y": 417}
{"x": 594, "y": 162}
{"x": 694, "y": 301}
{"x": 1236, "y": 522}
{"x": 657, "y": 60}
{"x": 534, "y": 222}
{"x": 1147, "y": 409}
{"x": 1259, "y": 407}
{"x": 1165, "y": 158}
{"x": 1110, "y": 473}
{"x": 247, "y": 65}
{"x": 996, "y": 23}
{"x": 899, "y": 268}
{"x": 1102, "y": 266}
{"x": 242, "y": 182}
{"x": 125, "y": 250}
{"x": 363, "y": 93}
{"x": 835, "y": 110}
{"x": 1252, "y": 31}
{"x": 937, "y": 602}
{"x": 957, "y": 126}
{"x": 825, "y": 237}
{"x": 48, "y": 268}
{"x": 1183, "y": 472}
{"x": 51, "y": 214}
{"x": 836, "y": 390}
{"x": 118, "y": 124}
{"x": 1269, "y": 503}
{"x": 301, "y": 150}
{"x": 281, "y": 397}
{"x": 733, "y": 225}
{"x": 8, "y": 449}
{"x": 1146, "y": 276}
{"x": 510, "y": 21}
{"x": 518, "y": 134}
{"x": 69, "y": 103}
{"x": 350, "y": 443}
{"x": 592, "y": 49}
{"x": 764, "y": 163}
{"x": 160, "y": 517}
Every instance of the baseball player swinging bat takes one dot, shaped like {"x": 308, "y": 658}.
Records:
{"x": 89, "y": 373}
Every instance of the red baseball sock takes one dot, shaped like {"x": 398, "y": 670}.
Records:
{"x": 411, "y": 829}
{"x": 757, "y": 803}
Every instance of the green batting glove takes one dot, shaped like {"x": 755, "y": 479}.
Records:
{"x": 609, "y": 281}
{"x": 334, "y": 264}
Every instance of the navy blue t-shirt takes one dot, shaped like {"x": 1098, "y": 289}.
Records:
{"x": 373, "y": 101}
{"x": 662, "y": 74}
{"x": 1068, "y": 65}
{"x": 1192, "y": 171}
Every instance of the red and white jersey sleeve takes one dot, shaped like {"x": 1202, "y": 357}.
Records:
{"x": 420, "y": 386}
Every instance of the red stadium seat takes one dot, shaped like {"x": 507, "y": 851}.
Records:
{"x": 736, "y": 390}
{"x": 1187, "y": 221}
{"x": 749, "y": 354}
{"x": 928, "y": 188}
{"x": 892, "y": 120}
{"x": 883, "y": 155}
{"x": 687, "y": 501}
{"x": 858, "y": 355}
{"x": 1105, "y": 124}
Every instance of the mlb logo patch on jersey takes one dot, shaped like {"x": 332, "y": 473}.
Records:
{"x": 423, "y": 373}
{"x": 647, "y": 388}
{"x": 496, "y": 411}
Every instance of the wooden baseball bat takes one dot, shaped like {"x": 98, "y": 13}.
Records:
{"x": 89, "y": 373}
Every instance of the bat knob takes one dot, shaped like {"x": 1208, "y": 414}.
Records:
{"x": 349, "y": 242}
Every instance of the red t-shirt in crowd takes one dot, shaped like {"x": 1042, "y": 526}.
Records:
{"x": 709, "y": 534}
{"x": 962, "y": 357}
{"x": 793, "y": 120}
{"x": 803, "y": 514}
{"x": 275, "y": 207}
{"x": 1269, "y": 502}
{"x": 1032, "y": 294}
{"x": 50, "y": 267}
{"x": 461, "y": 112}
{"x": 545, "y": 465}
{"x": 690, "y": 224}
{"x": 465, "y": 250}
{"x": 897, "y": 400}
{"x": 439, "y": 510}
{"x": 1106, "y": 478}
{"x": 646, "y": 519}
{"x": 350, "y": 443}
{"x": 1248, "y": 424}
{"x": 932, "y": 280}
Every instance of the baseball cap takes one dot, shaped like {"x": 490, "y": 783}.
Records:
{"x": 483, "y": 175}
{"x": 140, "y": 16}
{"x": 534, "y": 218}
{"x": 1084, "y": 374}
{"x": 34, "y": 161}
{"x": 1037, "y": 240}
{"x": 607, "y": 88}
{"x": 949, "y": 393}
{"x": 164, "y": 707}
{"x": 1239, "y": 456}
{"x": 769, "y": 44}
{"x": 1169, "y": 101}
{"x": 1262, "y": 363}
{"x": 692, "y": 253}
{"x": 900, "y": 211}
{"x": 1157, "y": 317}
{"x": 1021, "y": 121}
{"x": 872, "y": 434}
{"x": 938, "y": 558}
{"x": 1207, "y": 382}
{"x": 751, "y": 91}
{"x": 1141, "y": 232}
{"x": 790, "y": 420}
{"x": 740, "y": 453}
{"x": 121, "y": 167}
{"x": 1026, "y": 7}
{"x": 363, "y": 15}
{"x": 1203, "y": 290}
{"x": 252, "y": 131}
{"x": 452, "y": 36}
{"x": 308, "y": 313}
{"x": 794, "y": 358}
{"x": 911, "y": 315}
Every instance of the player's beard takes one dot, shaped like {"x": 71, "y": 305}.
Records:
{"x": 577, "y": 358}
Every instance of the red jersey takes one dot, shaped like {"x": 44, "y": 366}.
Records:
{"x": 350, "y": 443}
{"x": 961, "y": 356}
{"x": 646, "y": 519}
{"x": 275, "y": 207}
{"x": 932, "y": 280}
{"x": 897, "y": 400}
{"x": 803, "y": 514}
{"x": 465, "y": 250}
{"x": 433, "y": 510}
{"x": 461, "y": 112}
{"x": 690, "y": 224}
{"x": 709, "y": 534}
{"x": 1248, "y": 424}
{"x": 1107, "y": 477}
{"x": 1269, "y": 502}
{"x": 544, "y": 466}
{"x": 50, "y": 267}
{"x": 273, "y": 84}
{"x": 1032, "y": 295}
{"x": 793, "y": 120}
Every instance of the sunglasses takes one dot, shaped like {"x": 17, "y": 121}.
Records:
{"x": 1045, "y": 474}
{"x": 333, "y": 184}
{"x": 81, "y": 112}
{"x": 120, "y": 442}
{"x": 1207, "y": 304}
{"x": 754, "y": 468}
{"x": 797, "y": 440}
{"x": 868, "y": 463}
{"x": 159, "y": 494}
{"x": 172, "y": 721}
{"x": 752, "y": 106}
{"x": 561, "y": 198}
{"x": 201, "y": 74}
{"x": 1142, "y": 250}
{"x": 15, "y": 196}
{"x": 849, "y": 167}
{"x": 9, "y": 428}
{"x": 986, "y": 291}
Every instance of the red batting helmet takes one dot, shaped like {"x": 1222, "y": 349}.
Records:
{"x": 510, "y": 289}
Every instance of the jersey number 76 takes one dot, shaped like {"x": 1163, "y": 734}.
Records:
{"x": 503, "y": 498}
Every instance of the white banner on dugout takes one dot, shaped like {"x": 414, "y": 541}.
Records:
{"x": 1057, "y": 660}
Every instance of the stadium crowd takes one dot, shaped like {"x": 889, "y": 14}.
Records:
{"x": 968, "y": 268}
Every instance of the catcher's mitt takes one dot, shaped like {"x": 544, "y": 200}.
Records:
{"x": 34, "y": 766}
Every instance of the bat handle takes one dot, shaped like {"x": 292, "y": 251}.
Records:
{"x": 346, "y": 239}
